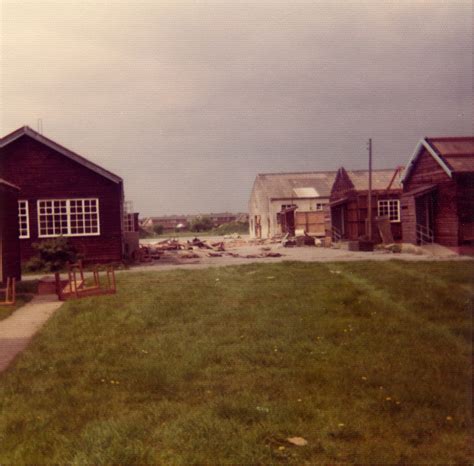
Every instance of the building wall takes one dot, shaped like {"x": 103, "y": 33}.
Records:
{"x": 426, "y": 172}
{"x": 356, "y": 212}
{"x": 43, "y": 173}
{"x": 304, "y": 205}
{"x": 261, "y": 205}
{"x": 465, "y": 188}
{"x": 9, "y": 242}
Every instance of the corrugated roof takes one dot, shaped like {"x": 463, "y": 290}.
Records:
{"x": 27, "y": 131}
{"x": 283, "y": 185}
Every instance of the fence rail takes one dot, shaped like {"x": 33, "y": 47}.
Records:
{"x": 424, "y": 234}
{"x": 336, "y": 234}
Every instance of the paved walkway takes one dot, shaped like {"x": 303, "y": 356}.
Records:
{"x": 17, "y": 330}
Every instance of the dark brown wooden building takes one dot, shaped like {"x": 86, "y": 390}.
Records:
{"x": 349, "y": 203}
{"x": 438, "y": 192}
{"x": 9, "y": 241}
{"x": 63, "y": 194}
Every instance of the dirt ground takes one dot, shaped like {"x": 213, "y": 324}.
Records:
{"x": 172, "y": 259}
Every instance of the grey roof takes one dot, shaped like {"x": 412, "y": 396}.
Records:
{"x": 380, "y": 179}
{"x": 26, "y": 130}
{"x": 283, "y": 185}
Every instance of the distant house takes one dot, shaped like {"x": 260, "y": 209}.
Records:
{"x": 283, "y": 203}
{"x": 168, "y": 222}
{"x": 349, "y": 202}
{"x": 222, "y": 218}
{"x": 9, "y": 241}
{"x": 63, "y": 194}
{"x": 438, "y": 192}
{"x": 182, "y": 222}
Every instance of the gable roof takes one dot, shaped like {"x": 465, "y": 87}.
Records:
{"x": 453, "y": 154}
{"x": 27, "y": 131}
{"x": 297, "y": 185}
{"x": 381, "y": 179}
{"x": 358, "y": 180}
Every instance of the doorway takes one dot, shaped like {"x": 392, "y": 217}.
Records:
{"x": 258, "y": 226}
{"x": 425, "y": 218}
{"x": 338, "y": 220}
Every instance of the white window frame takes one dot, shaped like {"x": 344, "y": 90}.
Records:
{"x": 320, "y": 206}
{"x": 23, "y": 218}
{"x": 68, "y": 217}
{"x": 386, "y": 205}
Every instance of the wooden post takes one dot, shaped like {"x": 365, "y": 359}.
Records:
{"x": 13, "y": 295}
{"x": 59, "y": 290}
{"x": 369, "y": 200}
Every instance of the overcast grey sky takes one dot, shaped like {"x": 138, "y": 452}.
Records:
{"x": 189, "y": 100}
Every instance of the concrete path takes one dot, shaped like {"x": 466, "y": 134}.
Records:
{"x": 17, "y": 330}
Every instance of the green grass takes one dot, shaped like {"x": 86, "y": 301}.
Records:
{"x": 369, "y": 362}
{"x": 24, "y": 293}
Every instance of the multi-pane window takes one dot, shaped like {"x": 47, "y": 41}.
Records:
{"x": 389, "y": 208}
{"x": 84, "y": 214}
{"x": 23, "y": 219}
{"x": 68, "y": 217}
{"x": 319, "y": 206}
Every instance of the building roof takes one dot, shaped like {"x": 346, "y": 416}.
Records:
{"x": 8, "y": 185}
{"x": 297, "y": 185}
{"x": 27, "y": 131}
{"x": 453, "y": 154}
{"x": 381, "y": 179}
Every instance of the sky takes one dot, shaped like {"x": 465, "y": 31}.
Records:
{"x": 189, "y": 100}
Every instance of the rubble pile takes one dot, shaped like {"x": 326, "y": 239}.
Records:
{"x": 190, "y": 249}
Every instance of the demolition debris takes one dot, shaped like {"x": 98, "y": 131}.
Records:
{"x": 198, "y": 248}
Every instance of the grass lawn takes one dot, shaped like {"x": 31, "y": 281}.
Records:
{"x": 24, "y": 293}
{"x": 369, "y": 362}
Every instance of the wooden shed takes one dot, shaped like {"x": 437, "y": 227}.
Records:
{"x": 9, "y": 241}
{"x": 438, "y": 192}
{"x": 63, "y": 194}
{"x": 349, "y": 203}
{"x": 283, "y": 203}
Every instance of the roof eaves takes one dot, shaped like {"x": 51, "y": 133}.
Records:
{"x": 293, "y": 198}
{"x": 323, "y": 172}
{"x": 26, "y": 130}
{"x": 424, "y": 144}
{"x": 9, "y": 185}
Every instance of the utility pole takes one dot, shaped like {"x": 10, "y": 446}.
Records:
{"x": 369, "y": 200}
